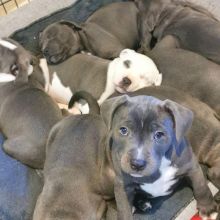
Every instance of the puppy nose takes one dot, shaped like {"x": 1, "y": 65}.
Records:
{"x": 137, "y": 164}
{"x": 126, "y": 81}
{"x": 46, "y": 52}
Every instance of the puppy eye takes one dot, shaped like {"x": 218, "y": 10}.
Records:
{"x": 123, "y": 131}
{"x": 14, "y": 69}
{"x": 158, "y": 135}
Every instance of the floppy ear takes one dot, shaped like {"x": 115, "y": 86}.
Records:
{"x": 183, "y": 118}
{"x": 71, "y": 24}
{"x": 110, "y": 106}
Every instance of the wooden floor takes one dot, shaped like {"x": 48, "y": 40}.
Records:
{"x": 11, "y": 5}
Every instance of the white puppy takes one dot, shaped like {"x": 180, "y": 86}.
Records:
{"x": 130, "y": 72}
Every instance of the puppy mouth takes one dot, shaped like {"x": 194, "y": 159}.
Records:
{"x": 120, "y": 89}
{"x": 55, "y": 59}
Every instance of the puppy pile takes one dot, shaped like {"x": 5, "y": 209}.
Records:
{"x": 144, "y": 141}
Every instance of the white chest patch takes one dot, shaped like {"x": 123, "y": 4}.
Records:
{"x": 30, "y": 70}
{"x": 8, "y": 45}
{"x": 58, "y": 91}
{"x": 5, "y": 77}
{"x": 161, "y": 186}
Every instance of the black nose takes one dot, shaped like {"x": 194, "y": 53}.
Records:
{"x": 46, "y": 52}
{"x": 138, "y": 164}
{"x": 126, "y": 81}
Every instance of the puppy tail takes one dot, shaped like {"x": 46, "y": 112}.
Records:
{"x": 92, "y": 102}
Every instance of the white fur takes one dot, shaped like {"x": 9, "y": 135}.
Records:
{"x": 161, "y": 186}
{"x": 58, "y": 91}
{"x": 212, "y": 216}
{"x": 142, "y": 73}
{"x": 81, "y": 109}
{"x": 7, "y": 44}
{"x": 5, "y": 77}
{"x": 44, "y": 67}
{"x": 30, "y": 70}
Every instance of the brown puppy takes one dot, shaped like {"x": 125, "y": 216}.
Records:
{"x": 194, "y": 27}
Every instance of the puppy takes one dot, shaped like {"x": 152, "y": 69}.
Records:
{"x": 193, "y": 27}
{"x": 105, "y": 33}
{"x": 14, "y": 59}
{"x": 188, "y": 71}
{"x": 138, "y": 142}
{"x": 27, "y": 113}
{"x": 129, "y": 72}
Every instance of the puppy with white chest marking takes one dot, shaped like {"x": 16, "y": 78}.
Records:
{"x": 27, "y": 113}
{"x": 138, "y": 142}
{"x": 105, "y": 33}
{"x": 129, "y": 72}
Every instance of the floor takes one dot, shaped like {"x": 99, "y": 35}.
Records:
{"x": 29, "y": 13}
{"x": 7, "y": 6}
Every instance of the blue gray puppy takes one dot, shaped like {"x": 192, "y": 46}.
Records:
{"x": 27, "y": 113}
{"x": 105, "y": 33}
{"x": 137, "y": 142}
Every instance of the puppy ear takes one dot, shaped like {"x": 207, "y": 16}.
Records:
{"x": 71, "y": 24}
{"x": 126, "y": 52}
{"x": 110, "y": 106}
{"x": 183, "y": 118}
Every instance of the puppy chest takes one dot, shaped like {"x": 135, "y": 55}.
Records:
{"x": 162, "y": 186}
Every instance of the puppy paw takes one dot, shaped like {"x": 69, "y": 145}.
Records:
{"x": 208, "y": 211}
{"x": 144, "y": 206}
{"x": 212, "y": 216}
{"x": 217, "y": 197}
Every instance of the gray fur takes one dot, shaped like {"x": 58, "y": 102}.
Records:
{"x": 27, "y": 114}
{"x": 82, "y": 72}
{"x": 86, "y": 172}
{"x": 195, "y": 28}
{"x": 105, "y": 33}
{"x": 188, "y": 71}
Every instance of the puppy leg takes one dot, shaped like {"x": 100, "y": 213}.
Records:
{"x": 124, "y": 197}
{"x": 213, "y": 174}
{"x": 101, "y": 42}
{"x": 66, "y": 195}
{"x": 111, "y": 211}
{"x": 205, "y": 201}
{"x": 168, "y": 41}
{"x": 24, "y": 150}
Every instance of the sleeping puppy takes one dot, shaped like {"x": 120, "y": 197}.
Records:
{"x": 138, "y": 142}
{"x": 188, "y": 71}
{"x": 27, "y": 113}
{"x": 129, "y": 72}
{"x": 194, "y": 28}
{"x": 105, "y": 33}
{"x": 14, "y": 59}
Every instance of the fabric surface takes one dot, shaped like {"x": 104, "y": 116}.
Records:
{"x": 19, "y": 188}
{"x": 15, "y": 177}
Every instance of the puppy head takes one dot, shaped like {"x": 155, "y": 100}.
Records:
{"x": 143, "y": 130}
{"x": 60, "y": 40}
{"x": 15, "y": 62}
{"x": 133, "y": 71}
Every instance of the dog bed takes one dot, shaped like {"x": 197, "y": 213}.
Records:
{"x": 20, "y": 185}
